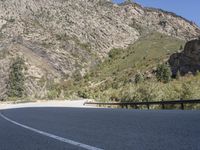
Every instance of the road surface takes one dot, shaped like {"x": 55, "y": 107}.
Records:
{"x": 109, "y": 129}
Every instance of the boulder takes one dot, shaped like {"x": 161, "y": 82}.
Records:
{"x": 188, "y": 60}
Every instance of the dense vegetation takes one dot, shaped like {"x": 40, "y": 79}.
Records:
{"x": 16, "y": 79}
{"x": 163, "y": 73}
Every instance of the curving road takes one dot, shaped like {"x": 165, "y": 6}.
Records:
{"x": 90, "y": 128}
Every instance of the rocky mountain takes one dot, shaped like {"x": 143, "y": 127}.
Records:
{"x": 188, "y": 60}
{"x": 62, "y": 38}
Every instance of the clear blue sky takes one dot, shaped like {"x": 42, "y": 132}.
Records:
{"x": 189, "y": 9}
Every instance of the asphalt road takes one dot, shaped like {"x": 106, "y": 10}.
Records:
{"x": 110, "y": 129}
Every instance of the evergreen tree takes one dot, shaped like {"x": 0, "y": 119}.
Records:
{"x": 163, "y": 73}
{"x": 16, "y": 79}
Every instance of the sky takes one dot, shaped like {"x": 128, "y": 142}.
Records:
{"x": 188, "y": 9}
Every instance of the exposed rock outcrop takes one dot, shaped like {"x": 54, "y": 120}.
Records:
{"x": 188, "y": 60}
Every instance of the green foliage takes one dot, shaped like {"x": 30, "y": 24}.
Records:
{"x": 148, "y": 90}
{"x": 141, "y": 92}
{"x": 145, "y": 93}
{"x": 114, "y": 52}
{"x": 112, "y": 79}
{"x": 138, "y": 78}
{"x": 53, "y": 94}
{"x": 54, "y": 90}
{"x": 82, "y": 94}
{"x": 124, "y": 62}
{"x": 186, "y": 91}
{"x": 16, "y": 79}
{"x": 163, "y": 73}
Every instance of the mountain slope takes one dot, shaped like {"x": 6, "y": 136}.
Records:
{"x": 145, "y": 54}
{"x": 119, "y": 70}
{"x": 131, "y": 74}
{"x": 59, "y": 39}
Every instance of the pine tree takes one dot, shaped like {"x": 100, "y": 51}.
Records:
{"x": 163, "y": 73}
{"x": 16, "y": 79}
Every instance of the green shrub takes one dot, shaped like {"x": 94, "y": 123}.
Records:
{"x": 53, "y": 94}
{"x": 145, "y": 92}
{"x": 163, "y": 73}
{"x": 187, "y": 91}
{"x": 16, "y": 79}
{"x": 114, "y": 52}
{"x": 83, "y": 94}
{"x": 54, "y": 89}
{"x": 138, "y": 78}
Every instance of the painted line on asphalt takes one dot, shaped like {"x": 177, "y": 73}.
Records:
{"x": 61, "y": 139}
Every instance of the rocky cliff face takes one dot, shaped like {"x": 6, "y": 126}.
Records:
{"x": 187, "y": 61}
{"x": 59, "y": 38}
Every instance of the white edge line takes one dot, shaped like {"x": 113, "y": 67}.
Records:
{"x": 68, "y": 141}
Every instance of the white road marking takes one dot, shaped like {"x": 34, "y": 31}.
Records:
{"x": 68, "y": 141}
